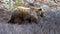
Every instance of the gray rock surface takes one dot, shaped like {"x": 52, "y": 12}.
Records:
{"x": 50, "y": 24}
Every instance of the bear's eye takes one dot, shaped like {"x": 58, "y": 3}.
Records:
{"x": 40, "y": 9}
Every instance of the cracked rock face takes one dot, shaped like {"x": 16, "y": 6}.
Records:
{"x": 49, "y": 24}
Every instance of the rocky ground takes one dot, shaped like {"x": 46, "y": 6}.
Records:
{"x": 50, "y": 24}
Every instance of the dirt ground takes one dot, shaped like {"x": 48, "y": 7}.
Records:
{"x": 50, "y": 24}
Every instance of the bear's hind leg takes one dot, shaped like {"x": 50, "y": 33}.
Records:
{"x": 11, "y": 20}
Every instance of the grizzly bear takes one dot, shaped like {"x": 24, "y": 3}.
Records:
{"x": 22, "y": 14}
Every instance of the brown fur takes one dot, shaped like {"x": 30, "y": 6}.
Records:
{"x": 24, "y": 14}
